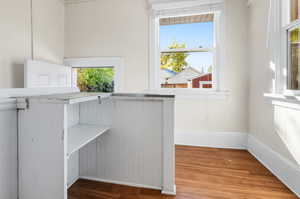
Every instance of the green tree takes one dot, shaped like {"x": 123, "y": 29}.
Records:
{"x": 95, "y": 79}
{"x": 210, "y": 69}
{"x": 174, "y": 61}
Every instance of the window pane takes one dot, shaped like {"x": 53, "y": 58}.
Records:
{"x": 295, "y": 9}
{"x": 186, "y": 70}
{"x": 94, "y": 79}
{"x": 294, "y": 67}
{"x": 191, "y": 35}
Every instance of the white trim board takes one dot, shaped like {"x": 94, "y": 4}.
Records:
{"x": 284, "y": 169}
{"x": 97, "y": 62}
{"x": 232, "y": 140}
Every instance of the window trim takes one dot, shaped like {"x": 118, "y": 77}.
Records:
{"x": 154, "y": 62}
{"x": 286, "y": 26}
{"x": 288, "y": 29}
{"x": 101, "y": 62}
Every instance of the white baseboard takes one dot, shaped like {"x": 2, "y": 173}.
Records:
{"x": 232, "y": 140}
{"x": 120, "y": 183}
{"x": 284, "y": 169}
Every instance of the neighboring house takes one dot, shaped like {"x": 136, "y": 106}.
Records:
{"x": 203, "y": 81}
{"x": 165, "y": 74}
{"x": 182, "y": 79}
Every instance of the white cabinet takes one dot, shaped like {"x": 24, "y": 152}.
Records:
{"x": 8, "y": 149}
{"x": 118, "y": 138}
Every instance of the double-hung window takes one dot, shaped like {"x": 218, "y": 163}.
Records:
{"x": 292, "y": 35}
{"x": 186, "y": 49}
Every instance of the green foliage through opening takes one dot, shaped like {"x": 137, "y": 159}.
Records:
{"x": 95, "y": 79}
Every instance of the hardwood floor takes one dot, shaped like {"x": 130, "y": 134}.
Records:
{"x": 201, "y": 173}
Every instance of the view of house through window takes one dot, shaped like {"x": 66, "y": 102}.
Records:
{"x": 94, "y": 79}
{"x": 187, "y": 51}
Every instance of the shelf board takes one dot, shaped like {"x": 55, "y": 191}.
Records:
{"x": 71, "y": 98}
{"x": 81, "y": 134}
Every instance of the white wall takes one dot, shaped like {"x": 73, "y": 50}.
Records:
{"x": 15, "y": 36}
{"x": 120, "y": 28}
{"x": 15, "y": 41}
{"x": 48, "y": 30}
{"x": 228, "y": 115}
{"x": 111, "y": 28}
{"x": 261, "y": 113}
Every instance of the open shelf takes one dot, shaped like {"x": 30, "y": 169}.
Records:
{"x": 81, "y": 134}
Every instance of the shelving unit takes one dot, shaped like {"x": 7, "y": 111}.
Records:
{"x": 118, "y": 138}
{"x": 53, "y": 128}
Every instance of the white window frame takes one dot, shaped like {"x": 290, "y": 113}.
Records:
{"x": 282, "y": 71}
{"x": 154, "y": 78}
{"x": 116, "y": 63}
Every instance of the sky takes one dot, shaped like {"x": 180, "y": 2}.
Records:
{"x": 194, "y": 35}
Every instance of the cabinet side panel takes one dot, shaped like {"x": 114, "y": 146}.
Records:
{"x": 73, "y": 168}
{"x": 73, "y": 161}
{"x": 42, "y": 152}
{"x": 8, "y": 154}
{"x": 131, "y": 152}
{"x": 168, "y": 148}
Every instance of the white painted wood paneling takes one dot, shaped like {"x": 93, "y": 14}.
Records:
{"x": 73, "y": 114}
{"x": 97, "y": 113}
{"x": 131, "y": 152}
{"x": 41, "y": 74}
{"x": 138, "y": 149}
{"x": 42, "y": 149}
{"x": 287, "y": 125}
{"x": 8, "y": 151}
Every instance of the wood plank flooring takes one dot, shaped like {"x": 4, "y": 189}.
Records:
{"x": 201, "y": 173}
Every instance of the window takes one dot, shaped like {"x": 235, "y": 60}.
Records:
{"x": 97, "y": 74}
{"x": 187, "y": 52}
{"x": 293, "y": 47}
{"x": 94, "y": 79}
{"x": 186, "y": 48}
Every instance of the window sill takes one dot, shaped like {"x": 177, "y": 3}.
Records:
{"x": 290, "y": 98}
{"x": 192, "y": 93}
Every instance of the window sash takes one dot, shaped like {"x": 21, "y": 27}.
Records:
{"x": 188, "y": 50}
{"x": 288, "y": 29}
{"x": 213, "y": 50}
{"x": 217, "y": 50}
